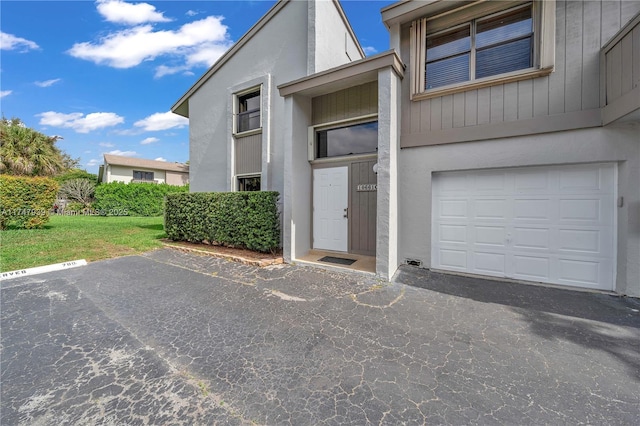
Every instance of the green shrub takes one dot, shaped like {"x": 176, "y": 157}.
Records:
{"x": 237, "y": 219}
{"x": 25, "y": 202}
{"x": 137, "y": 199}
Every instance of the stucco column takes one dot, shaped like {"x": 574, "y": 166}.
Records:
{"x": 388, "y": 147}
{"x": 296, "y": 199}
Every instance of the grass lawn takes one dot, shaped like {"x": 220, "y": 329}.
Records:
{"x": 79, "y": 237}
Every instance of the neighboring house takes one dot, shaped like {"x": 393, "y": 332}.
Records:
{"x": 497, "y": 138}
{"x": 117, "y": 168}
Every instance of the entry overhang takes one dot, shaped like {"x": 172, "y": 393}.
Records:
{"x": 342, "y": 77}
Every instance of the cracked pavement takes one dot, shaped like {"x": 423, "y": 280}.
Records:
{"x": 177, "y": 338}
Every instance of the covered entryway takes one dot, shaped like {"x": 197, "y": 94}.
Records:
{"x": 552, "y": 224}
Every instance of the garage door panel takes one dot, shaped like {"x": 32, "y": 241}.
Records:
{"x": 453, "y": 259}
{"x": 535, "y": 268}
{"x": 453, "y": 208}
{"x": 490, "y": 235}
{"x": 489, "y": 263}
{"x": 531, "y": 238}
{"x": 491, "y": 208}
{"x": 537, "y": 209}
{"x": 453, "y": 234}
{"x": 550, "y": 224}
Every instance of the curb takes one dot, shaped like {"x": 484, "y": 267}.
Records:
{"x": 42, "y": 269}
{"x": 252, "y": 262}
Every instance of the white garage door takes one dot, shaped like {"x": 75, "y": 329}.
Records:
{"x": 546, "y": 224}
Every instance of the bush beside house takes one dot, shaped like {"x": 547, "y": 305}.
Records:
{"x": 25, "y": 202}
{"x": 237, "y": 219}
{"x": 138, "y": 199}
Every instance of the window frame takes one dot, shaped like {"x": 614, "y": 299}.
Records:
{"x": 543, "y": 55}
{"x": 236, "y": 111}
{"x": 144, "y": 173}
{"x": 247, "y": 176}
{"x": 313, "y": 140}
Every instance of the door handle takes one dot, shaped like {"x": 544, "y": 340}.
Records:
{"x": 346, "y": 212}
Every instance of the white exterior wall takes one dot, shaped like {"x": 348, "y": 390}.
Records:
{"x": 274, "y": 54}
{"x": 330, "y": 42}
{"x": 125, "y": 174}
{"x": 616, "y": 143}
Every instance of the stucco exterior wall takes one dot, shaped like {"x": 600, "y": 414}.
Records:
{"x": 276, "y": 51}
{"x": 125, "y": 174}
{"x": 176, "y": 178}
{"x": 333, "y": 44}
{"x": 616, "y": 143}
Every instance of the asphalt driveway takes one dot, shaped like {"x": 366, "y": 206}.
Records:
{"x": 176, "y": 338}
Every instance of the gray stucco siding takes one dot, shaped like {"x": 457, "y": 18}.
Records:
{"x": 616, "y": 144}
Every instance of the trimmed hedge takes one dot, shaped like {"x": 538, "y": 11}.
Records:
{"x": 236, "y": 219}
{"x": 25, "y": 202}
{"x": 134, "y": 199}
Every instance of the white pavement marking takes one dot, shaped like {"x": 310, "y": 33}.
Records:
{"x": 42, "y": 269}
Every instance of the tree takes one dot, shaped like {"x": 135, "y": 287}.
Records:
{"x": 76, "y": 174}
{"x": 27, "y": 152}
{"x": 79, "y": 190}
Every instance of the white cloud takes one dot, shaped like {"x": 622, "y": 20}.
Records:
{"x": 161, "y": 159}
{"x": 79, "y": 122}
{"x": 162, "y": 121}
{"x": 191, "y": 13}
{"x": 127, "y": 13}
{"x": 106, "y": 144}
{"x": 11, "y": 42}
{"x": 198, "y": 43}
{"x": 369, "y": 50}
{"x": 147, "y": 141}
{"x": 123, "y": 153}
{"x": 93, "y": 162}
{"x": 47, "y": 83}
{"x": 4, "y": 93}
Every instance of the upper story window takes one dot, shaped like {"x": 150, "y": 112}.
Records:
{"x": 349, "y": 140}
{"x": 484, "y": 42}
{"x": 248, "y": 111}
{"x": 481, "y": 48}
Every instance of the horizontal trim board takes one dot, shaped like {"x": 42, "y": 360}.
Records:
{"x": 546, "y": 124}
{"x": 480, "y": 84}
{"x": 625, "y": 104}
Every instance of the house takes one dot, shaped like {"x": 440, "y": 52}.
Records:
{"x": 494, "y": 138}
{"x": 117, "y": 168}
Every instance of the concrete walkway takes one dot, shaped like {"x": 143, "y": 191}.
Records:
{"x": 177, "y": 338}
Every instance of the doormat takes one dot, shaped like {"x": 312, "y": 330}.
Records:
{"x": 338, "y": 260}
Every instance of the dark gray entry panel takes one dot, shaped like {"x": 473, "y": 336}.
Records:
{"x": 362, "y": 208}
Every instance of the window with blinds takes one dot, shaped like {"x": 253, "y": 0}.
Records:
{"x": 481, "y": 48}
{"x": 485, "y": 41}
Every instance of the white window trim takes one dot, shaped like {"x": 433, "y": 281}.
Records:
{"x": 311, "y": 138}
{"x": 544, "y": 52}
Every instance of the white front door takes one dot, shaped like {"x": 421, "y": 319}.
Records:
{"x": 330, "y": 202}
{"x": 553, "y": 224}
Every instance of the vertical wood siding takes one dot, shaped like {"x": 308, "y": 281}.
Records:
{"x": 362, "y": 211}
{"x": 582, "y": 28}
{"x": 623, "y": 65}
{"x": 345, "y": 104}
{"x": 249, "y": 154}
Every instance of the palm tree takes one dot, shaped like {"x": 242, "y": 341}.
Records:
{"x": 27, "y": 152}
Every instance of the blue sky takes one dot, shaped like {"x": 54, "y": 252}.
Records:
{"x": 104, "y": 74}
